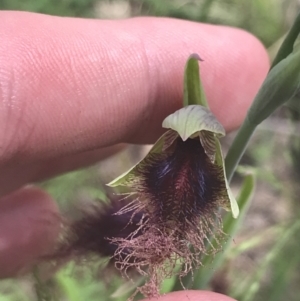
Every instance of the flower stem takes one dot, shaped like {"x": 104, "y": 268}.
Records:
{"x": 238, "y": 148}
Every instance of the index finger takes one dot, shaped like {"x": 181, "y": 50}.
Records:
{"x": 72, "y": 85}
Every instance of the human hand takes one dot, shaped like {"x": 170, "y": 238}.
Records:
{"x": 73, "y": 90}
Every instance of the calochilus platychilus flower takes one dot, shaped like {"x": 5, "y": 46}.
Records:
{"x": 179, "y": 186}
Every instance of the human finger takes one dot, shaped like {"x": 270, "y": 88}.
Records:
{"x": 15, "y": 176}
{"x": 73, "y": 85}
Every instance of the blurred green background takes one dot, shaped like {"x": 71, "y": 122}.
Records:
{"x": 267, "y": 19}
{"x": 263, "y": 263}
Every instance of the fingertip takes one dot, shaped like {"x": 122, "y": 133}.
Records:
{"x": 235, "y": 63}
{"x": 96, "y": 83}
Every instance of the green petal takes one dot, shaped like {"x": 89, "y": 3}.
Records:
{"x": 230, "y": 201}
{"x": 193, "y": 90}
{"x": 160, "y": 145}
{"x": 192, "y": 119}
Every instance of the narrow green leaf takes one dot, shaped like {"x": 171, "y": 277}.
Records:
{"x": 238, "y": 147}
{"x": 192, "y": 119}
{"x": 288, "y": 43}
{"x": 281, "y": 84}
{"x": 244, "y": 198}
{"x": 193, "y": 89}
{"x": 249, "y": 287}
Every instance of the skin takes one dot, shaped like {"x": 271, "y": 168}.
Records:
{"x": 73, "y": 91}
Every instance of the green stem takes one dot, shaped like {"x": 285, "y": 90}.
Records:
{"x": 240, "y": 142}
{"x": 238, "y": 148}
{"x": 288, "y": 43}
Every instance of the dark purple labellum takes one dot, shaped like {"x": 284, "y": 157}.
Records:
{"x": 179, "y": 190}
{"x": 181, "y": 185}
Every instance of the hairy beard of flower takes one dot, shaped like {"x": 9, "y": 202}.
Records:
{"x": 91, "y": 235}
{"x": 179, "y": 191}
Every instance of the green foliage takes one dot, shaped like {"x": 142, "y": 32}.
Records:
{"x": 248, "y": 287}
{"x": 72, "y": 8}
{"x": 280, "y": 85}
{"x": 264, "y": 18}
